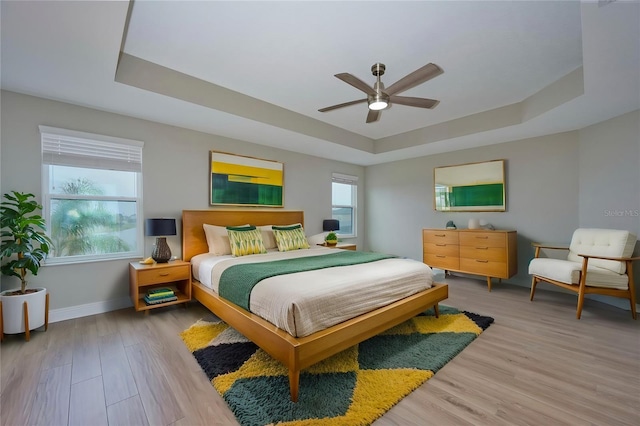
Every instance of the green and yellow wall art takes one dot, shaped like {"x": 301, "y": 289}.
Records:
{"x": 237, "y": 180}
{"x": 470, "y": 187}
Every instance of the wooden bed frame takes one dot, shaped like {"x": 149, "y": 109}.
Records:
{"x": 295, "y": 353}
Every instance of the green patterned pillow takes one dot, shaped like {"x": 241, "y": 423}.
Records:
{"x": 245, "y": 241}
{"x": 290, "y": 237}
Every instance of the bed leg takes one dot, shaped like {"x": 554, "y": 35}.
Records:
{"x": 294, "y": 382}
{"x": 436, "y": 310}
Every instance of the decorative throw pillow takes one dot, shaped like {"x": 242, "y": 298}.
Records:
{"x": 244, "y": 241}
{"x": 290, "y": 237}
{"x": 218, "y": 239}
{"x": 268, "y": 237}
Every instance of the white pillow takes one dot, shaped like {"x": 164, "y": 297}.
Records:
{"x": 218, "y": 239}
{"x": 268, "y": 237}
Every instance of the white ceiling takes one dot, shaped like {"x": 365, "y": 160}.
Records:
{"x": 259, "y": 71}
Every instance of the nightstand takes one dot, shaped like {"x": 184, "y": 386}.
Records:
{"x": 142, "y": 278}
{"x": 343, "y": 246}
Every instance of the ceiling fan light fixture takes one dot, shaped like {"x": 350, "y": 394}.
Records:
{"x": 378, "y": 102}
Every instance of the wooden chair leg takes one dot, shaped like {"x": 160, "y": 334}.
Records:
{"x": 27, "y": 335}
{"x": 534, "y": 281}
{"x": 583, "y": 286}
{"x": 46, "y": 313}
{"x": 632, "y": 289}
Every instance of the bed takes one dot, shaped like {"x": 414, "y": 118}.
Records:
{"x": 296, "y": 353}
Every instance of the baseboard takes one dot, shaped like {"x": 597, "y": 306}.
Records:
{"x": 63, "y": 314}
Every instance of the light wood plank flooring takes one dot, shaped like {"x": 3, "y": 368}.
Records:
{"x": 536, "y": 365}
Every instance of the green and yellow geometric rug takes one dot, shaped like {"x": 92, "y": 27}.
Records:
{"x": 353, "y": 387}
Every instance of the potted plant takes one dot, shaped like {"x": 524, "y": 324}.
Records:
{"x": 25, "y": 244}
{"x": 331, "y": 239}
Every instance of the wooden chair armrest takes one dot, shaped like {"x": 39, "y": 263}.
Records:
{"x": 620, "y": 259}
{"x": 550, "y": 246}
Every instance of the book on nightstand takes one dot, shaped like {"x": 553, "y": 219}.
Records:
{"x": 160, "y": 295}
{"x": 159, "y": 300}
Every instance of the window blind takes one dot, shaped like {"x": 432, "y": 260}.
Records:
{"x": 71, "y": 148}
{"x": 340, "y": 178}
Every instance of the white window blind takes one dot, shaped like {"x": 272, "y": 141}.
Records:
{"x": 347, "y": 179}
{"x": 71, "y": 148}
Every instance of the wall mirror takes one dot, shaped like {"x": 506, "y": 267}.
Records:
{"x": 473, "y": 187}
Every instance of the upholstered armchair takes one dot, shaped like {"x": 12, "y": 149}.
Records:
{"x": 599, "y": 262}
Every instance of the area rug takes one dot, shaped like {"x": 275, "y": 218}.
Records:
{"x": 353, "y": 387}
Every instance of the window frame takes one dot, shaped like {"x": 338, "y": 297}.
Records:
{"x": 353, "y": 181}
{"x": 47, "y": 197}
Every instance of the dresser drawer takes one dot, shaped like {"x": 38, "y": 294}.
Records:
{"x": 441, "y": 248}
{"x": 439, "y": 236}
{"x": 164, "y": 275}
{"x": 480, "y": 252}
{"x": 489, "y": 268}
{"x": 483, "y": 239}
{"x": 441, "y": 261}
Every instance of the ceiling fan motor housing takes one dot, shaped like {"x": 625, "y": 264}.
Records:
{"x": 378, "y": 69}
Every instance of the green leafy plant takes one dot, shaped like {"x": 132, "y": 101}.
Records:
{"x": 23, "y": 237}
{"x": 331, "y": 237}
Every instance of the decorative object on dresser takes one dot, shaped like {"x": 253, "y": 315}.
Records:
{"x": 237, "y": 180}
{"x": 169, "y": 282}
{"x": 473, "y": 187}
{"x": 472, "y": 251}
{"x": 353, "y": 387}
{"x": 451, "y": 225}
{"x": 598, "y": 262}
{"x": 160, "y": 228}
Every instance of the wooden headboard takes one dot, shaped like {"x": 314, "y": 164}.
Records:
{"x": 193, "y": 238}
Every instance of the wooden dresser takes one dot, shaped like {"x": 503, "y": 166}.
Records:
{"x": 471, "y": 251}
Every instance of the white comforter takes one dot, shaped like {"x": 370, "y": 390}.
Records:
{"x": 305, "y": 302}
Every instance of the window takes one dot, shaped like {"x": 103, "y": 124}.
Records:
{"x": 344, "y": 198}
{"x": 92, "y": 195}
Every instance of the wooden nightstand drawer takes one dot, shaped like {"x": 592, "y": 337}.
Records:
{"x": 175, "y": 275}
{"x": 159, "y": 275}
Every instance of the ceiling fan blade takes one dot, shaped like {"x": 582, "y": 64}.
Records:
{"x": 357, "y": 83}
{"x": 414, "y": 102}
{"x": 346, "y": 104}
{"x": 373, "y": 115}
{"x": 419, "y": 76}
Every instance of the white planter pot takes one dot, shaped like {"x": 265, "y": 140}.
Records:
{"x": 13, "y": 310}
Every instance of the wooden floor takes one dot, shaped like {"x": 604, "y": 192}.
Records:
{"x": 536, "y": 365}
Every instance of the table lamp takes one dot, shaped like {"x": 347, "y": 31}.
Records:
{"x": 160, "y": 228}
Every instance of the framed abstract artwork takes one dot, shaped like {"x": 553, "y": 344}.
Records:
{"x": 237, "y": 180}
{"x": 473, "y": 187}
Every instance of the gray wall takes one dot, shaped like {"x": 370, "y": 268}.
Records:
{"x": 175, "y": 177}
{"x": 554, "y": 184}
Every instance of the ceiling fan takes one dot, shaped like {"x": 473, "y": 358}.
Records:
{"x": 379, "y": 98}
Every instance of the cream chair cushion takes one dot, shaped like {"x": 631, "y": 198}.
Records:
{"x": 569, "y": 272}
{"x": 602, "y": 242}
{"x": 600, "y": 272}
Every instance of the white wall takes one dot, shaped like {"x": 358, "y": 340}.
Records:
{"x": 175, "y": 177}
{"x": 554, "y": 184}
